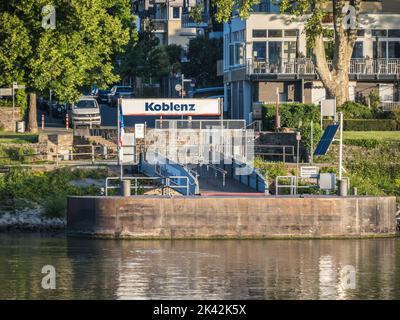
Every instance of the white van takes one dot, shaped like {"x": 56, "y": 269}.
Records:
{"x": 85, "y": 112}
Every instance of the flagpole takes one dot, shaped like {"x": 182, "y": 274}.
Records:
{"x": 119, "y": 138}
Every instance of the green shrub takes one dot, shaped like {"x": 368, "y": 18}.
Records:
{"x": 292, "y": 115}
{"x": 55, "y": 207}
{"x": 353, "y": 110}
{"x": 374, "y": 99}
{"x": 270, "y": 169}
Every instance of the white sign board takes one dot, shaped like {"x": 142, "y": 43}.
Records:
{"x": 328, "y": 108}
{"x": 309, "y": 172}
{"x": 139, "y": 130}
{"x": 171, "y": 107}
{"x": 5, "y": 91}
{"x": 128, "y": 145}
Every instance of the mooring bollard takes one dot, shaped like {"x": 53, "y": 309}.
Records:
{"x": 126, "y": 188}
{"x": 342, "y": 188}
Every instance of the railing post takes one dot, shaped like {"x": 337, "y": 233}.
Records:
{"x": 284, "y": 154}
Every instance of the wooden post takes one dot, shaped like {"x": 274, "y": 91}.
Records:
{"x": 32, "y": 120}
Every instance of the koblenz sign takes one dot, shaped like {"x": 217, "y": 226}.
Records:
{"x": 171, "y": 107}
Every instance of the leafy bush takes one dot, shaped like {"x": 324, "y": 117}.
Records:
{"x": 374, "y": 99}
{"x": 292, "y": 115}
{"x": 270, "y": 169}
{"x": 46, "y": 188}
{"x": 305, "y": 132}
{"x": 353, "y": 110}
{"x": 55, "y": 207}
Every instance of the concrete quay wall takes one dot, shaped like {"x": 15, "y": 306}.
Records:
{"x": 146, "y": 217}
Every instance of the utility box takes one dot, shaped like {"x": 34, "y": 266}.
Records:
{"x": 257, "y": 110}
{"x": 327, "y": 181}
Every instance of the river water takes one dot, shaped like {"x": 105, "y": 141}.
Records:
{"x": 190, "y": 269}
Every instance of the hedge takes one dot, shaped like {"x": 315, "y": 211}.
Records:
{"x": 368, "y": 124}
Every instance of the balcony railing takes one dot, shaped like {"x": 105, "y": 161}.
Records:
{"x": 159, "y": 25}
{"x": 188, "y": 21}
{"x": 390, "y": 105}
{"x": 306, "y": 66}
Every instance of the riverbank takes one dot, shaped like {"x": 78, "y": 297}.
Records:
{"x": 30, "y": 220}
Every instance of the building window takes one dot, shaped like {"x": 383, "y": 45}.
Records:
{"x": 176, "y": 13}
{"x": 291, "y": 33}
{"x": 259, "y": 33}
{"x": 379, "y": 33}
{"x": 393, "y": 49}
{"x": 380, "y": 51}
{"x": 275, "y": 33}
{"x": 259, "y": 50}
{"x": 274, "y": 52}
{"x": 358, "y": 51}
{"x": 394, "y": 33}
{"x": 361, "y": 33}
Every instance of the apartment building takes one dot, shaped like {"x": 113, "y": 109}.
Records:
{"x": 172, "y": 22}
{"x": 166, "y": 17}
{"x": 268, "y": 52}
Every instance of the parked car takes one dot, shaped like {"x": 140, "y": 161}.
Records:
{"x": 119, "y": 92}
{"x": 102, "y": 96}
{"x": 85, "y": 112}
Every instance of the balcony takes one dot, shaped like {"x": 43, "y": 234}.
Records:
{"x": 188, "y": 21}
{"x": 159, "y": 25}
{"x": 360, "y": 69}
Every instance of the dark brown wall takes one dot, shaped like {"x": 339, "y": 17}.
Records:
{"x": 231, "y": 217}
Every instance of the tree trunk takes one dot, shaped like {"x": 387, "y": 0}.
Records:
{"x": 32, "y": 121}
{"x": 335, "y": 78}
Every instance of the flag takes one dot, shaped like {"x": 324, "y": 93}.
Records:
{"x": 121, "y": 133}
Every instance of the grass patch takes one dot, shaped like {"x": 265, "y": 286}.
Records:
{"x": 18, "y": 138}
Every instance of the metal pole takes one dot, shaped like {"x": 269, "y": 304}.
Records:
{"x": 182, "y": 77}
{"x": 340, "y": 144}
{"x": 13, "y": 105}
{"x": 312, "y": 141}
{"x": 277, "y": 117}
{"x": 119, "y": 132}
{"x": 297, "y": 164}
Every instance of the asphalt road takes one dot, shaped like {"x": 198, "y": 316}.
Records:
{"x": 108, "y": 119}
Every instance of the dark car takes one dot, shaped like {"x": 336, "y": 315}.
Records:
{"x": 119, "y": 92}
{"x": 102, "y": 96}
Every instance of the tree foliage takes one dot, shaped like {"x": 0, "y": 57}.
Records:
{"x": 78, "y": 52}
{"x": 343, "y": 32}
{"x": 203, "y": 54}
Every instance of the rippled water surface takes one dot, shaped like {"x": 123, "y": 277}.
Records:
{"x": 232, "y": 269}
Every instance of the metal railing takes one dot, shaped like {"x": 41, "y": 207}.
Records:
{"x": 294, "y": 184}
{"x": 164, "y": 182}
{"x": 218, "y": 170}
{"x": 306, "y": 66}
{"x": 256, "y": 125}
{"x": 199, "y": 124}
{"x": 287, "y": 151}
{"x": 390, "y": 105}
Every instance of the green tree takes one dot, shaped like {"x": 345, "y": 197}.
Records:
{"x": 203, "y": 55}
{"x": 343, "y": 32}
{"x": 145, "y": 58}
{"x": 78, "y": 52}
